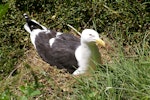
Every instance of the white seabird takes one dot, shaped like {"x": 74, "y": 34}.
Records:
{"x": 65, "y": 51}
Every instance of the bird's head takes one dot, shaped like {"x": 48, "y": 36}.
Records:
{"x": 90, "y": 36}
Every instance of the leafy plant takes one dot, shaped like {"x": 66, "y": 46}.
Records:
{"x": 6, "y": 95}
{"x": 12, "y": 40}
{"x": 28, "y": 92}
{"x": 3, "y": 9}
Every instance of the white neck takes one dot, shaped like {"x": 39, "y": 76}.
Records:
{"x": 87, "y": 55}
{"x": 82, "y": 55}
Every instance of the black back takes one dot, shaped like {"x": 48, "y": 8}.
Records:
{"x": 62, "y": 52}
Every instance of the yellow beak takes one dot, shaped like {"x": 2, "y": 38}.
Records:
{"x": 100, "y": 42}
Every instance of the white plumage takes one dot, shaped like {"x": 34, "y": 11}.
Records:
{"x": 66, "y": 51}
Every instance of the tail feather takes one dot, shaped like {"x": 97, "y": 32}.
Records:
{"x": 26, "y": 17}
{"x": 32, "y": 24}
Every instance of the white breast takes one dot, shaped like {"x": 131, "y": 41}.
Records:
{"x": 82, "y": 55}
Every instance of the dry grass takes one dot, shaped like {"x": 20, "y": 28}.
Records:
{"x": 32, "y": 70}
{"x": 55, "y": 83}
{"x": 52, "y": 82}
{"x": 32, "y": 58}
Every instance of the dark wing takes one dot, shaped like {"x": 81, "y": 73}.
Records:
{"x": 43, "y": 47}
{"x": 62, "y": 52}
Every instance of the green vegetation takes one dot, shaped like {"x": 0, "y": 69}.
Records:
{"x": 125, "y": 79}
{"x": 3, "y": 9}
{"x": 125, "y": 76}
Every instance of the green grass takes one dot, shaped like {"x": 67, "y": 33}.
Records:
{"x": 124, "y": 80}
{"x": 127, "y": 77}
{"x": 3, "y": 9}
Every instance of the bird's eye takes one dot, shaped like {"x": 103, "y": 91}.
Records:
{"x": 90, "y": 35}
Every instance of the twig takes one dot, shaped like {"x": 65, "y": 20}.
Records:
{"x": 74, "y": 29}
{"x": 13, "y": 72}
{"x": 111, "y": 10}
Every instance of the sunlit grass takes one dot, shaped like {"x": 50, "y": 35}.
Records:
{"x": 3, "y": 9}
{"x": 126, "y": 76}
{"x": 125, "y": 79}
